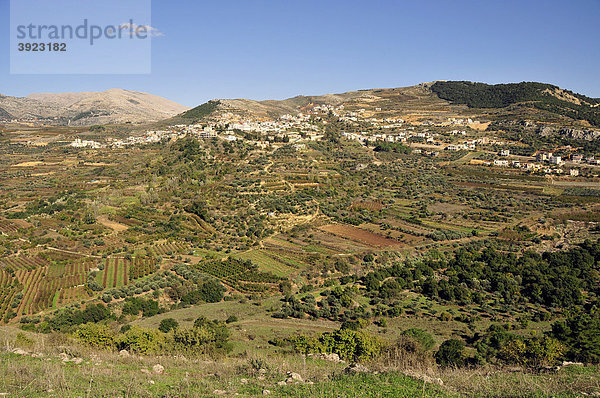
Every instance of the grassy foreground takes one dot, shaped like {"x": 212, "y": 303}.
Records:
{"x": 123, "y": 377}
{"x": 56, "y": 366}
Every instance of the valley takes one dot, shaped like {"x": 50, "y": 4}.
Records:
{"x": 432, "y": 236}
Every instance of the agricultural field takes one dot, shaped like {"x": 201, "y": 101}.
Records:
{"x": 118, "y": 271}
{"x": 276, "y": 244}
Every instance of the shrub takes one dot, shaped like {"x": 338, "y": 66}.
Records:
{"x": 407, "y": 353}
{"x": 579, "y": 332}
{"x": 424, "y": 338}
{"x": 211, "y": 291}
{"x": 451, "y": 353}
{"x": 23, "y": 341}
{"x": 207, "y": 337}
{"x": 143, "y": 341}
{"x": 95, "y": 335}
{"x": 544, "y": 351}
{"x": 167, "y": 325}
{"x": 349, "y": 344}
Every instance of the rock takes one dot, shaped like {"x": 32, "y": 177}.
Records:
{"x": 333, "y": 357}
{"x": 266, "y": 392}
{"x": 356, "y": 368}
{"x": 145, "y": 371}
{"x": 20, "y": 351}
{"x": 219, "y": 392}
{"x": 281, "y": 383}
{"x": 37, "y": 355}
{"x": 63, "y": 356}
{"x": 433, "y": 380}
{"x": 124, "y": 354}
{"x": 151, "y": 381}
{"x": 567, "y": 363}
{"x": 244, "y": 381}
{"x": 77, "y": 361}
{"x": 158, "y": 369}
{"x": 295, "y": 377}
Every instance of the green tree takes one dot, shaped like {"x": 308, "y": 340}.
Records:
{"x": 451, "y": 353}
{"x": 167, "y": 325}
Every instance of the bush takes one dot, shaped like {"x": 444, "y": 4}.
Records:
{"x": 143, "y": 341}
{"x": 534, "y": 352}
{"x": 167, "y": 325}
{"x": 579, "y": 332}
{"x": 407, "y": 353}
{"x": 350, "y": 345}
{"x": 451, "y": 353}
{"x": 208, "y": 337}
{"x": 95, "y": 335}
{"x": 424, "y": 338}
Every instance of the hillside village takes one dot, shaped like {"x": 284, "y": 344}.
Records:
{"x": 425, "y": 137}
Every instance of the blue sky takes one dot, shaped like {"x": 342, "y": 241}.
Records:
{"x": 274, "y": 49}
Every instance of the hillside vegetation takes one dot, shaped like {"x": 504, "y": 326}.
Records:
{"x": 540, "y": 95}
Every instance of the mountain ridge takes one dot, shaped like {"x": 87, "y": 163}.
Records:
{"x": 112, "y": 106}
{"x": 453, "y": 97}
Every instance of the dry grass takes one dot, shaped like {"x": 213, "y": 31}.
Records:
{"x": 106, "y": 373}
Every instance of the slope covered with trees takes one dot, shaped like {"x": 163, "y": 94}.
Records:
{"x": 541, "y": 96}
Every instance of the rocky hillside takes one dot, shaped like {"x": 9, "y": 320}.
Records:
{"x": 88, "y": 108}
{"x": 413, "y": 102}
{"x": 435, "y": 101}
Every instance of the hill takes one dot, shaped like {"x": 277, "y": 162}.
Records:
{"x": 539, "y": 95}
{"x": 435, "y": 101}
{"x": 113, "y": 106}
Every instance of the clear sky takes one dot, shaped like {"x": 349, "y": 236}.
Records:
{"x": 274, "y": 49}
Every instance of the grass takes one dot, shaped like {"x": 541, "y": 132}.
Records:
{"x": 109, "y": 375}
{"x": 266, "y": 263}
{"x": 105, "y": 373}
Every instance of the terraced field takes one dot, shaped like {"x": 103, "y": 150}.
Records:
{"x": 241, "y": 275}
{"x": 119, "y": 271}
{"x": 23, "y": 262}
{"x": 268, "y": 262}
{"x": 167, "y": 249}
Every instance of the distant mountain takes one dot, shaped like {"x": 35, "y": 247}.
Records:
{"x": 88, "y": 108}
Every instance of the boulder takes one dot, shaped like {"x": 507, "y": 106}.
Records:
{"x": 295, "y": 377}
{"x": 567, "y": 363}
{"x": 124, "y": 354}
{"x": 77, "y": 361}
{"x": 158, "y": 369}
{"x": 356, "y": 368}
